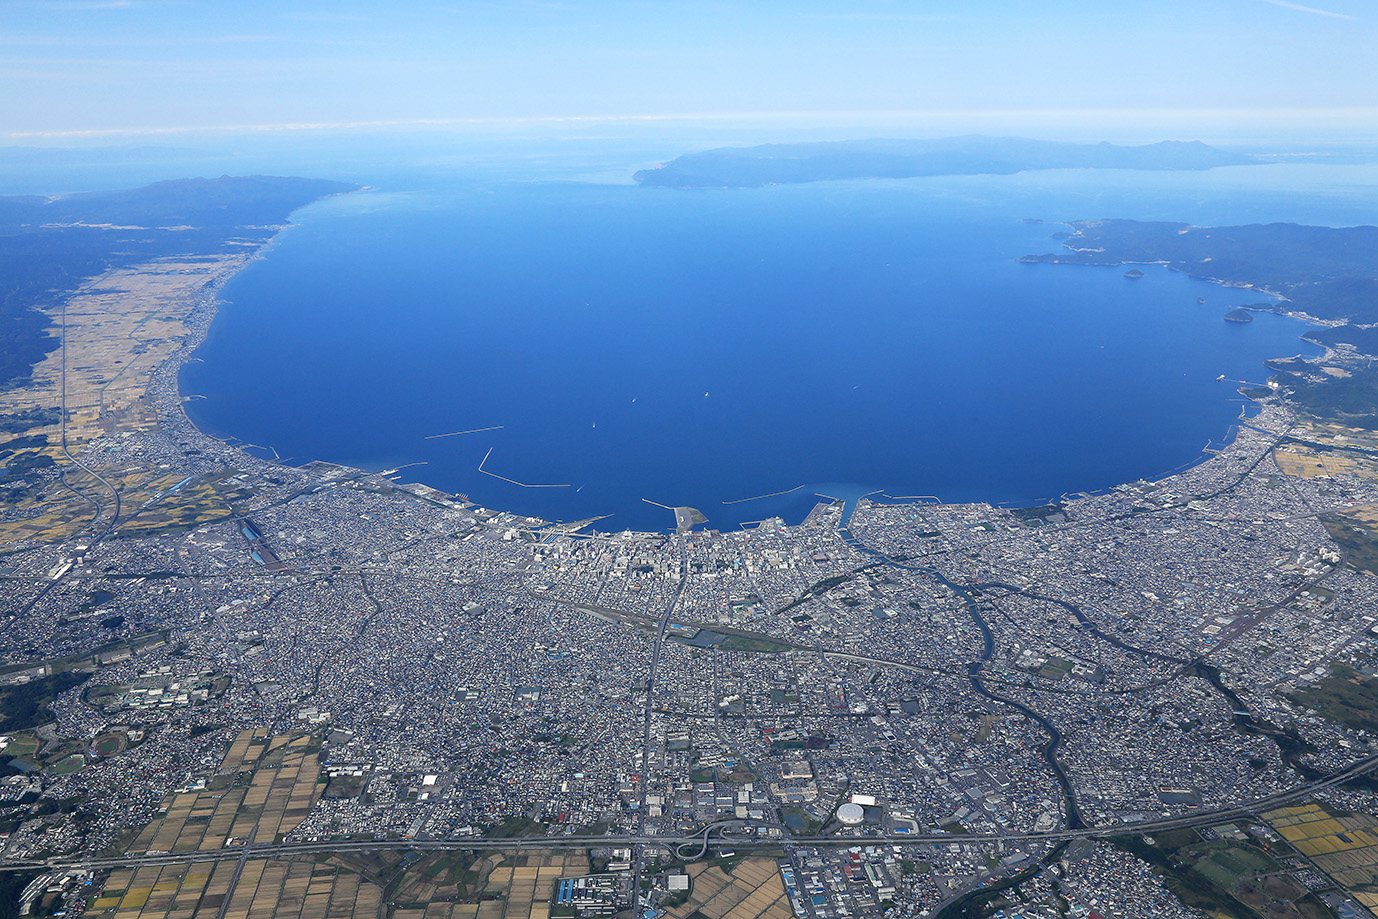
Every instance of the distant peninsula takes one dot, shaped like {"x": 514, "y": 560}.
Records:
{"x": 774, "y": 164}
{"x": 1326, "y": 274}
{"x": 50, "y": 246}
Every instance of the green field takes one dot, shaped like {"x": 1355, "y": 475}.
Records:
{"x": 23, "y": 745}
{"x": 109, "y": 744}
{"x": 1357, "y": 538}
{"x": 1346, "y": 697}
{"x": 69, "y": 764}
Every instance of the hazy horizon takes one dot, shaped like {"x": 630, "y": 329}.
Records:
{"x": 599, "y": 153}
{"x": 1245, "y": 72}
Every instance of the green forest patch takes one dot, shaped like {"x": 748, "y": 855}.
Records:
{"x": 26, "y": 705}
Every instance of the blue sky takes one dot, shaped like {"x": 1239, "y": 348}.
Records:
{"x": 1214, "y": 68}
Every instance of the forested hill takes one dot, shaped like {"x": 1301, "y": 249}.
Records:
{"x": 1330, "y": 273}
{"x": 749, "y": 167}
{"x": 49, "y": 246}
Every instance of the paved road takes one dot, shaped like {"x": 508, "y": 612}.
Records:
{"x": 100, "y": 508}
{"x": 649, "y": 713}
{"x": 735, "y": 831}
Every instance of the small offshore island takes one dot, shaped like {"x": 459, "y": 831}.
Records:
{"x": 230, "y": 686}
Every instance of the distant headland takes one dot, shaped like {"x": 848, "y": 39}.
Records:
{"x": 773, "y": 164}
{"x": 1328, "y": 275}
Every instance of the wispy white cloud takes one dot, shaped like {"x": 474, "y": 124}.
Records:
{"x": 1309, "y": 9}
{"x": 83, "y": 4}
{"x": 898, "y": 116}
{"x": 884, "y": 16}
{"x": 224, "y": 128}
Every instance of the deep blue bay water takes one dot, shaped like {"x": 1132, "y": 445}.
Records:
{"x": 702, "y": 347}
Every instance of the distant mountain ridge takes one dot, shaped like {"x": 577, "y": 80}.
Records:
{"x": 49, "y": 246}
{"x": 774, "y": 164}
{"x": 199, "y": 202}
{"x": 1330, "y": 273}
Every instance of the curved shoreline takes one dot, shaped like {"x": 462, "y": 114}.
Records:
{"x": 201, "y": 320}
{"x": 181, "y": 435}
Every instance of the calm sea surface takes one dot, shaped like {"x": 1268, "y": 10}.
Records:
{"x": 704, "y": 347}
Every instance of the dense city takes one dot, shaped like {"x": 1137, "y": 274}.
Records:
{"x": 232, "y": 674}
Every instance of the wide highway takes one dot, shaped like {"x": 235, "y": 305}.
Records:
{"x": 739, "y": 834}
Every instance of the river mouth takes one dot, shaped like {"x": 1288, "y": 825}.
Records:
{"x": 571, "y": 350}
